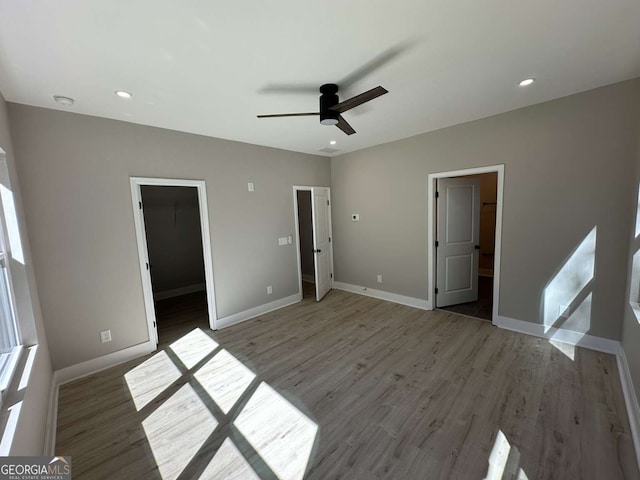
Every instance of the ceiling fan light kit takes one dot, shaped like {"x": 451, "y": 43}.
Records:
{"x": 328, "y": 99}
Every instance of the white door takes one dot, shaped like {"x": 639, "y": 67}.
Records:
{"x": 322, "y": 252}
{"x": 457, "y": 234}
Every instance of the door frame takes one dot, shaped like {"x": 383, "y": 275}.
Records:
{"x": 431, "y": 228}
{"x": 143, "y": 252}
{"x": 309, "y": 189}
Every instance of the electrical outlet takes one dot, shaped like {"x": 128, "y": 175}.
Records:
{"x": 379, "y": 278}
{"x": 269, "y": 290}
{"x": 105, "y": 336}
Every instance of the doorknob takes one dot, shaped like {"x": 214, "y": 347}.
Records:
{"x": 317, "y": 251}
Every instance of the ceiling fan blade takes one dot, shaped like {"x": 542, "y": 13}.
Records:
{"x": 375, "y": 63}
{"x": 289, "y": 115}
{"x": 359, "y": 99}
{"x": 344, "y": 126}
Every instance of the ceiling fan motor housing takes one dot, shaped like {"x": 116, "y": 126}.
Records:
{"x": 328, "y": 99}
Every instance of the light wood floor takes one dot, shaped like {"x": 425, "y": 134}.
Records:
{"x": 351, "y": 388}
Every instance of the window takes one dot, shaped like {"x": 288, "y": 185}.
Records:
{"x": 10, "y": 342}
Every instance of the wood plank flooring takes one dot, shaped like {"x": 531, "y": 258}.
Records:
{"x": 349, "y": 388}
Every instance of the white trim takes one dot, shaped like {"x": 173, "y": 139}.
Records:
{"x": 9, "y": 370}
{"x": 382, "y": 295}
{"x": 259, "y": 310}
{"x": 431, "y": 205}
{"x": 147, "y": 290}
{"x": 630, "y": 400}
{"x": 95, "y": 365}
{"x": 176, "y": 292}
{"x": 562, "y": 335}
{"x": 308, "y": 278}
{"x": 52, "y": 418}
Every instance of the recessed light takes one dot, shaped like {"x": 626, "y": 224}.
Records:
{"x": 526, "y": 82}
{"x": 66, "y": 101}
{"x": 332, "y": 142}
{"x": 123, "y": 94}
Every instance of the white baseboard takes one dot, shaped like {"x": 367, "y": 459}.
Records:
{"x": 382, "y": 295}
{"x": 559, "y": 335}
{"x": 630, "y": 400}
{"x": 308, "y": 278}
{"x": 176, "y": 292}
{"x": 257, "y": 311}
{"x": 95, "y": 365}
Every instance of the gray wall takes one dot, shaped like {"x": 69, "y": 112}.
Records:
{"x": 75, "y": 170}
{"x": 305, "y": 221}
{"x": 631, "y": 324}
{"x": 174, "y": 238}
{"x": 29, "y": 437}
{"x": 567, "y": 165}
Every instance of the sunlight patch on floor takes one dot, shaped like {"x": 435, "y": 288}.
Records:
{"x": 498, "y": 457}
{"x": 193, "y": 347}
{"x": 504, "y": 461}
{"x": 568, "y": 350}
{"x": 177, "y": 430}
{"x": 229, "y": 464}
{"x": 150, "y": 378}
{"x": 225, "y": 379}
{"x": 281, "y": 434}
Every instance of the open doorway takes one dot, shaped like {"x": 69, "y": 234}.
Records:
{"x": 464, "y": 240}
{"x": 312, "y": 210}
{"x": 173, "y": 243}
{"x": 305, "y": 245}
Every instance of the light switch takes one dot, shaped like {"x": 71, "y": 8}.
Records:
{"x": 250, "y": 186}
{"x": 290, "y": 239}
{"x": 282, "y": 241}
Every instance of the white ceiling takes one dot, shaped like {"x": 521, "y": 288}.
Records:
{"x": 199, "y": 66}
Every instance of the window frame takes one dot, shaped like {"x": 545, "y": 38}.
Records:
{"x": 9, "y": 366}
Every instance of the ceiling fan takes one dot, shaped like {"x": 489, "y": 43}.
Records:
{"x": 331, "y": 107}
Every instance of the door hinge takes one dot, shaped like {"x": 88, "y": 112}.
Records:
{"x": 140, "y": 205}
{"x": 437, "y": 194}
{"x": 329, "y": 239}
{"x": 437, "y": 243}
{"x": 436, "y": 290}
{"x": 331, "y": 275}
{"x": 147, "y": 265}
{"x": 154, "y": 324}
{"x": 327, "y": 202}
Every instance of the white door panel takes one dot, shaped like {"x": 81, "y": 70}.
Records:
{"x": 323, "y": 258}
{"x": 458, "y": 233}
